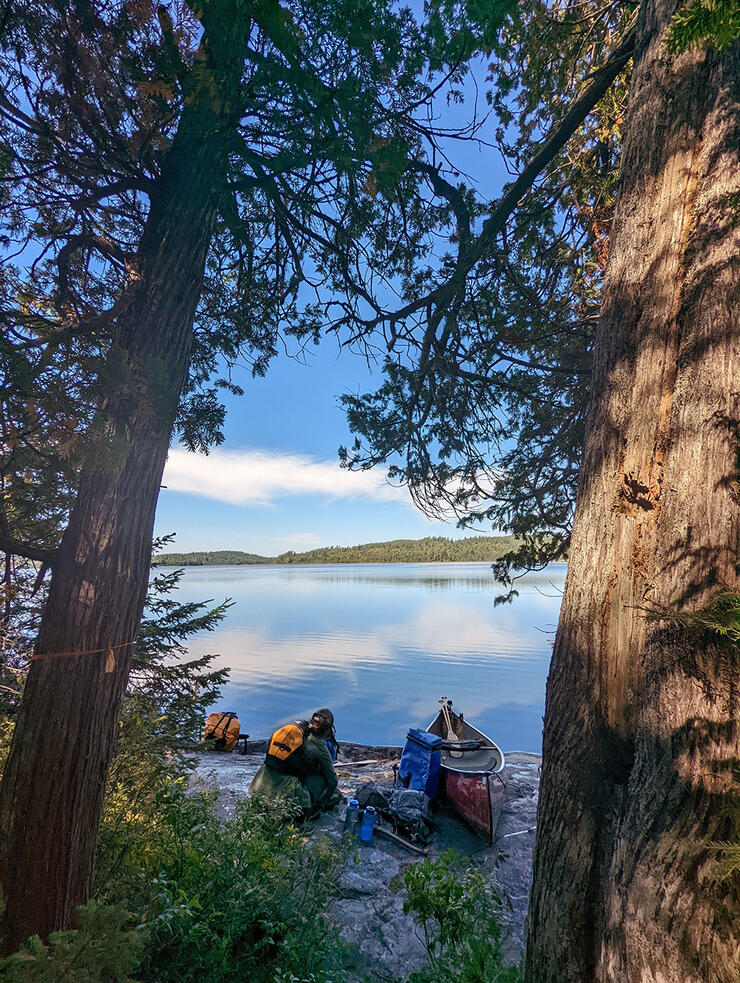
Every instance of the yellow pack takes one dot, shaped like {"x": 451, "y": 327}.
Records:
{"x": 286, "y": 752}
{"x": 222, "y": 730}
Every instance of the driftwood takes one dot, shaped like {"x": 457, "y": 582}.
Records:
{"x": 356, "y": 764}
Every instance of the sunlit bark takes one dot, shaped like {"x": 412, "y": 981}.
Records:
{"x": 642, "y": 740}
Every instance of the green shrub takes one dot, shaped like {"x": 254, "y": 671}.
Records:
{"x": 459, "y": 916}
{"x": 242, "y": 899}
{"x": 105, "y": 946}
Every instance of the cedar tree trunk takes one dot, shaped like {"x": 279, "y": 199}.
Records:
{"x": 52, "y": 789}
{"x": 641, "y": 740}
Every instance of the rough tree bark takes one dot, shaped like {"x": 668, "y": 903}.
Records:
{"x": 53, "y": 785}
{"x": 641, "y": 739}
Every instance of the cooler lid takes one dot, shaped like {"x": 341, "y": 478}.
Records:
{"x": 424, "y": 738}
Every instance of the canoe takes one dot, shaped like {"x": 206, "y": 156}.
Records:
{"x": 471, "y": 767}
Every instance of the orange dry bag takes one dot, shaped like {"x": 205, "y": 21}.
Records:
{"x": 223, "y": 729}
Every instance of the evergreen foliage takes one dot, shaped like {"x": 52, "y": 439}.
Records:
{"x": 431, "y": 549}
{"x": 704, "y": 23}
{"x": 720, "y": 616}
{"x": 331, "y": 182}
{"x": 209, "y": 558}
{"x": 171, "y": 691}
{"x": 161, "y": 719}
{"x": 321, "y": 189}
{"x": 487, "y": 380}
{"x": 183, "y": 187}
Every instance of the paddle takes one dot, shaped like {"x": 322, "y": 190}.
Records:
{"x": 451, "y": 735}
{"x": 384, "y": 831}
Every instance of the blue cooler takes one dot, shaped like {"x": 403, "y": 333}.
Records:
{"x": 421, "y": 762}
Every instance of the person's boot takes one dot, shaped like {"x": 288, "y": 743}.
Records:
{"x": 332, "y": 801}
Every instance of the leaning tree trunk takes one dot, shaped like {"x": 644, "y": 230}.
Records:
{"x": 641, "y": 740}
{"x": 54, "y": 780}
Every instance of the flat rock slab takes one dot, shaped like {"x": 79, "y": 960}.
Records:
{"x": 368, "y": 911}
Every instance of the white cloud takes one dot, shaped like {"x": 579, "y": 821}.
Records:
{"x": 254, "y": 477}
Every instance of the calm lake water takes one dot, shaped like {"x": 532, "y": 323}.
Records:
{"x": 380, "y": 644}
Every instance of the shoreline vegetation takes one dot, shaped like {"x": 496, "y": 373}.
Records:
{"x": 431, "y": 549}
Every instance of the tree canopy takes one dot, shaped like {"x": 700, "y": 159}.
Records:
{"x": 336, "y": 197}
{"x": 325, "y": 192}
{"x": 487, "y": 373}
{"x": 93, "y": 97}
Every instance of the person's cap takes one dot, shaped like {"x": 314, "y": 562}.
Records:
{"x": 325, "y": 716}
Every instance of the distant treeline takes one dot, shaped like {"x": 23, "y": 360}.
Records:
{"x": 432, "y": 549}
{"x": 216, "y": 558}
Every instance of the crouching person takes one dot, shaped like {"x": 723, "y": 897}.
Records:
{"x": 298, "y": 765}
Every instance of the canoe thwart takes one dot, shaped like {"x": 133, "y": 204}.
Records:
{"x": 462, "y": 745}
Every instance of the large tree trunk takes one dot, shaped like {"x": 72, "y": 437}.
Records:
{"x": 641, "y": 731}
{"x": 54, "y": 780}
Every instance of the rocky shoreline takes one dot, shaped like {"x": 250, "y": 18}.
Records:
{"x": 369, "y": 909}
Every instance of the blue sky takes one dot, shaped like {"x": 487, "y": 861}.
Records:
{"x": 275, "y": 484}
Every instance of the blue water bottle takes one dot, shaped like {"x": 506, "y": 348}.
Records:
{"x": 367, "y": 824}
{"x": 352, "y": 816}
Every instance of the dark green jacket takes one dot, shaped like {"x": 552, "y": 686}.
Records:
{"x": 313, "y": 790}
{"x": 321, "y": 780}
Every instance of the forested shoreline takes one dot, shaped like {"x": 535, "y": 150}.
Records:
{"x": 431, "y": 549}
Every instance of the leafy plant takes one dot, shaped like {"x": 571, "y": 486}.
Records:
{"x": 720, "y": 616}
{"x": 214, "y": 901}
{"x": 229, "y": 900}
{"x": 105, "y": 946}
{"x": 704, "y": 23}
{"x": 458, "y": 913}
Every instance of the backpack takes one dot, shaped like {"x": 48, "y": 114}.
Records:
{"x": 407, "y": 809}
{"x": 223, "y": 729}
{"x": 286, "y": 752}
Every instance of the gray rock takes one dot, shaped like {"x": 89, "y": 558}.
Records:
{"x": 369, "y": 916}
{"x": 368, "y": 912}
{"x": 368, "y": 872}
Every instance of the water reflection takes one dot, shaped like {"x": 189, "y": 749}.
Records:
{"x": 380, "y": 644}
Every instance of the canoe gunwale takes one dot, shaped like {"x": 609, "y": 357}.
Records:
{"x": 471, "y": 732}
